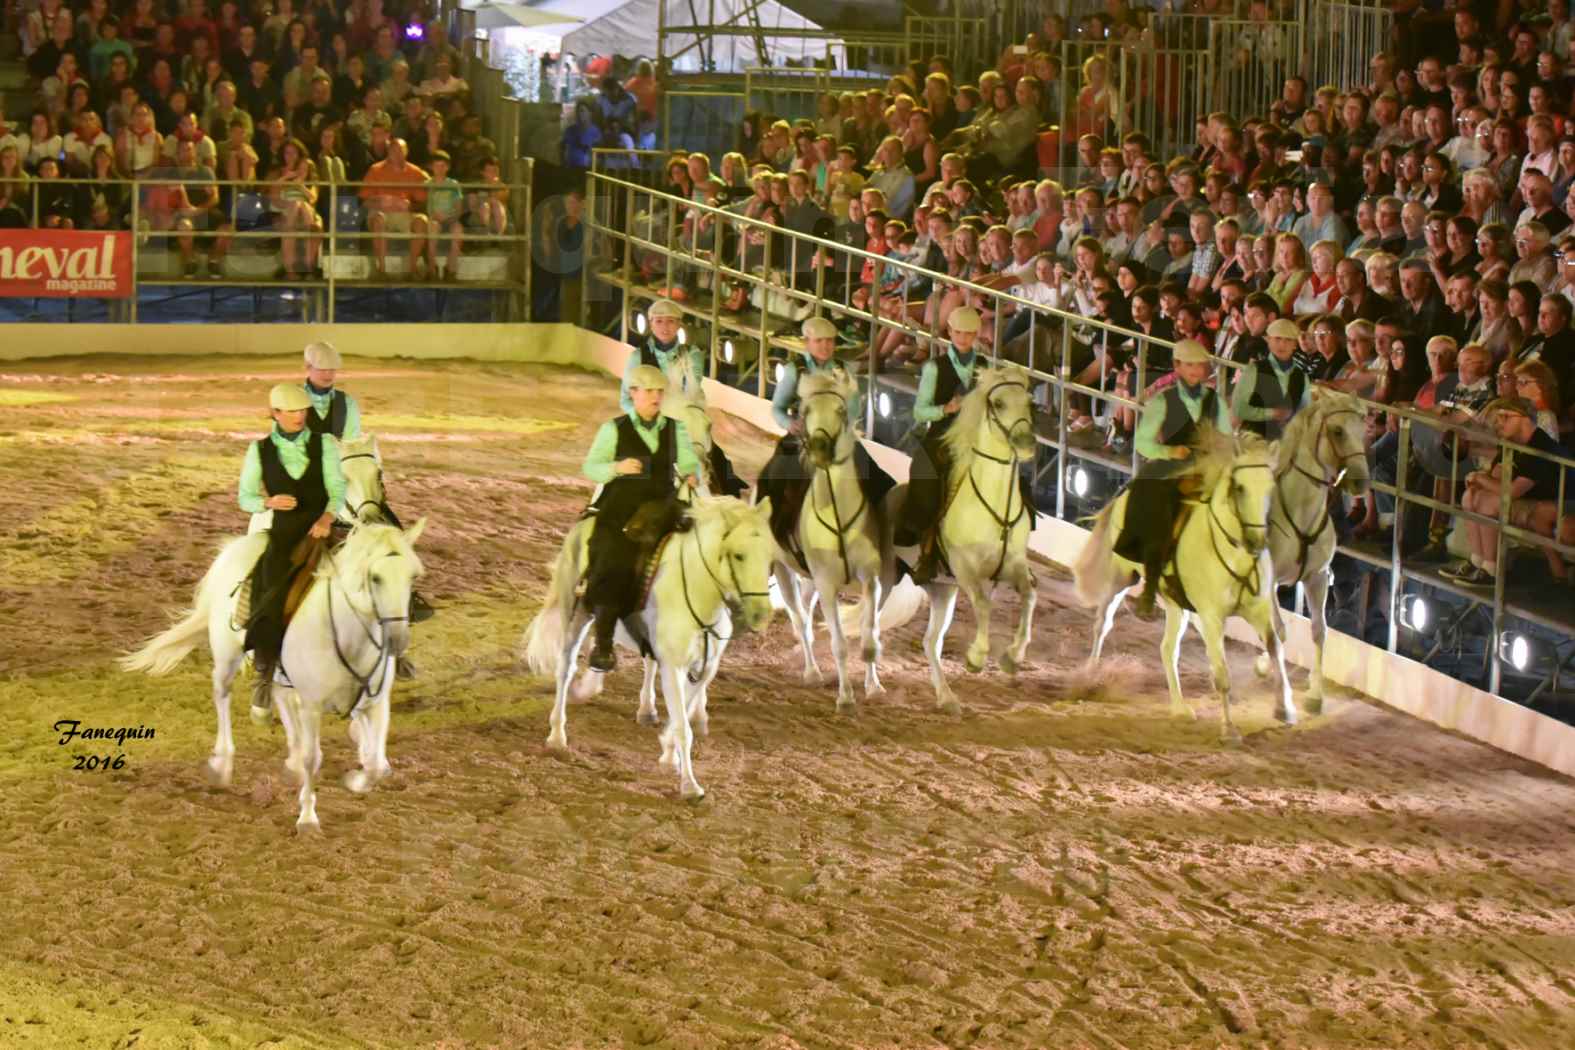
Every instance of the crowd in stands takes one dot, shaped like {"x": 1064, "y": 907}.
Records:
{"x": 1414, "y": 229}
{"x": 251, "y": 112}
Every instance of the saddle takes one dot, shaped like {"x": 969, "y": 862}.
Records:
{"x": 304, "y": 559}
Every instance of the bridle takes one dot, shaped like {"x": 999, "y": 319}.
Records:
{"x": 1006, "y": 520}
{"x": 1249, "y": 581}
{"x": 380, "y": 639}
{"x": 709, "y": 630}
{"x": 841, "y": 527}
{"x": 1306, "y": 539}
{"x": 355, "y": 511}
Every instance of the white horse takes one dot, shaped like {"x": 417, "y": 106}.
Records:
{"x": 840, "y": 535}
{"x": 985, "y": 524}
{"x": 1220, "y": 568}
{"x": 339, "y": 650}
{"x": 697, "y": 424}
{"x": 1326, "y": 452}
{"x": 710, "y": 579}
{"x": 361, "y": 462}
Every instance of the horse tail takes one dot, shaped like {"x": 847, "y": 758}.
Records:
{"x": 167, "y": 649}
{"x": 1094, "y": 570}
{"x": 542, "y": 645}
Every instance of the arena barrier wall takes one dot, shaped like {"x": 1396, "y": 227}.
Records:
{"x": 1391, "y": 678}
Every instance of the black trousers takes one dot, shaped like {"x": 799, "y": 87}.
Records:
{"x": 1153, "y": 501}
{"x": 271, "y": 579}
{"x": 926, "y": 493}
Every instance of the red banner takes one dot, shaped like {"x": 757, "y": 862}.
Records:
{"x": 65, "y": 264}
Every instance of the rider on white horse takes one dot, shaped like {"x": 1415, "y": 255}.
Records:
{"x": 295, "y": 473}
{"x": 942, "y": 384}
{"x": 685, "y": 370}
{"x": 1167, "y": 434}
{"x": 637, "y": 459}
{"x": 785, "y": 477}
{"x": 1272, "y": 390}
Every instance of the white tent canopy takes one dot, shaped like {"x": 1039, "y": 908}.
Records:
{"x": 628, "y": 27}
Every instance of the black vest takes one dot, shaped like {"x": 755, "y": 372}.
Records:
{"x": 648, "y": 354}
{"x": 626, "y": 492}
{"x": 948, "y": 384}
{"x": 1266, "y": 394}
{"x": 1179, "y": 427}
{"x": 338, "y": 409}
{"x": 803, "y": 372}
{"x": 311, "y": 494}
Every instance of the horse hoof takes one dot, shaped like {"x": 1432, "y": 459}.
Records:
{"x": 220, "y": 771}
{"x": 813, "y": 677}
{"x": 847, "y": 707}
{"x": 1184, "y": 714}
{"x": 558, "y": 741}
{"x": 358, "y": 780}
{"x": 262, "y": 716}
{"x": 1009, "y": 663}
{"x": 1286, "y": 716}
{"x": 974, "y": 664}
{"x": 1262, "y": 665}
{"x": 308, "y": 828}
{"x": 950, "y": 706}
{"x": 1230, "y": 737}
{"x": 875, "y": 689}
{"x": 691, "y": 792}
{"x": 648, "y": 718}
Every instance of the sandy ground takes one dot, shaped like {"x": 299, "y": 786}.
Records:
{"x": 1063, "y": 866}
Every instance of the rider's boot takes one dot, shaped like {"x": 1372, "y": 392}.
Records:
{"x": 602, "y": 659}
{"x": 262, "y": 692}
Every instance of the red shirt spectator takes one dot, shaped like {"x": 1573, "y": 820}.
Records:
{"x": 197, "y": 23}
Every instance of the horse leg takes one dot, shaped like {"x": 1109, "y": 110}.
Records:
{"x": 699, "y": 717}
{"x": 290, "y": 721}
{"x": 677, "y": 737}
{"x": 1022, "y": 578}
{"x": 1263, "y": 666}
{"x": 1264, "y": 623}
{"x": 1176, "y": 620}
{"x": 646, "y": 715}
{"x": 557, "y": 735}
{"x": 800, "y": 617}
{"x": 980, "y": 596}
{"x": 1317, "y": 598}
{"x": 1213, "y": 630}
{"x": 372, "y": 737}
{"x": 227, "y": 657}
{"x": 870, "y": 593}
{"x": 846, "y": 702}
{"x": 943, "y": 603}
{"x": 310, "y": 751}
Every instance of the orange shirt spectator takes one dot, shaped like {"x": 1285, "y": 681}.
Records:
{"x": 385, "y": 175}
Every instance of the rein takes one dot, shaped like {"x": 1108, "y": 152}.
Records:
{"x": 841, "y": 527}
{"x": 355, "y": 511}
{"x": 708, "y": 630}
{"x": 1247, "y": 582}
{"x": 384, "y": 649}
{"x": 1006, "y": 519}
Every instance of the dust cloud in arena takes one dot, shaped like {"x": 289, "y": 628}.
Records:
{"x": 1063, "y": 865}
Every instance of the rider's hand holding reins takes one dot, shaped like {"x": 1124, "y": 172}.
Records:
{"x": 280, "y": 502}
{"x": 630, "y": 466}
{"x": 321, "y": 526}
{"x": 1180, "y": 452}
{"x": 951, "y": 408}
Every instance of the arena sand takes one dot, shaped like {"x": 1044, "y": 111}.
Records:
{"x": 1063, "y": 866}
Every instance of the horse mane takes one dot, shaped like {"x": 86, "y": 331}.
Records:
{"x": 725, "y": 509}
{"x": 366, "y": 542}
{"x": 1324, "y": 400}
{"x": 959, "y": 439}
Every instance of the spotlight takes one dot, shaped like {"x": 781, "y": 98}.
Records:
{"x": 727, "y": 350}
{"x": 1078, "y": 482}
{"x": 780, "y": 372}
{"x": 683, "y": 335}
{"x": 1415, "y": 613}
{"x": 1515, "y": 650}
{"x": 639, "y": 323}
{"x": 415, "y": 31}
{"x": 883, "y": 405}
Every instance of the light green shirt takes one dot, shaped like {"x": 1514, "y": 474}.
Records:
{"x": 1241, "y": 399}
{"x": 925, "y": 410}
{"x": 601, "y": 462}
{"x": 665, "y": 360}
{"x": 322, "y": 402}
{"x": 294, "y": 458}
{"x": 1149, "y": 438}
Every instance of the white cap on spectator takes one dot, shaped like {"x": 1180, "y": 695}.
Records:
{"x": 324, "y": 356}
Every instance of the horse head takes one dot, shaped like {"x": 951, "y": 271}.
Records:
{"x": 362, "y": 466}
{"x": 1337, "y": 439}
{"x": 697, "y": 423}
{"x": 376, "y": 569}
{"x": 1246, "y": 485}
{"x": 746, "y": 556}
{"x": 823, "y": 407}
{"x": 998, "y": 412}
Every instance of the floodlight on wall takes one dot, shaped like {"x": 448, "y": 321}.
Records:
{"x": 883, "y": 405}
{"x": 1515, "y": 650}
{"x": 1416, "y": 613}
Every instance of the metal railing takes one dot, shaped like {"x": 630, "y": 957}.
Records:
{"x": 669, "y": 243}
{"x": 1342, "y": 37}
{"x": 344, "y": 236}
